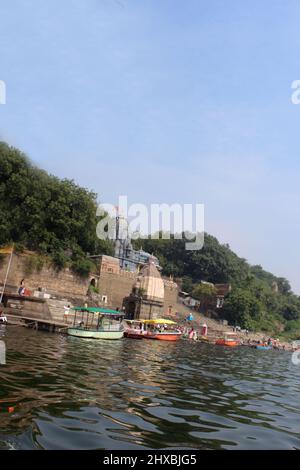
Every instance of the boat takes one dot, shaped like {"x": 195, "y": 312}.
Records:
{"x": 161, "y": 329}
{"x": 263, "y": 347}
{"x": 229, "y": 339}
{"x": 203, "y": 339}
{"x": 98, "y": 323}
{"x": 134, "y": 329}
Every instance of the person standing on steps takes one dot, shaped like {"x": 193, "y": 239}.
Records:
{"x": 204, "y": 329}
{"x": 66, "y": 313}
{"x": 21, "y": 290}
{"x": 3, "y": 318}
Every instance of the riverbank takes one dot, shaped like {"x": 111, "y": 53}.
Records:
{"x": 216, "y": 330}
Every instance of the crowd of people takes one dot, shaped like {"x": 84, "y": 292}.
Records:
{"x": 270, "y": 342}
{"x": 192, "y": 333}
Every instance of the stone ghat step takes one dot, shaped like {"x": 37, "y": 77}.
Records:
{"x": 56, "y": 308}
{"x": 57, "y": 305}
{"x": 19, "y": 319}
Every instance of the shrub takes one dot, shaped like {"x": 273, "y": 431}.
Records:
{"x": 19, "y": 248}
{"x": 32, "y": 264}
{"x": 93, "y": 289}
{"x": 59, "y": 260}
{"x": 82, "y": 267}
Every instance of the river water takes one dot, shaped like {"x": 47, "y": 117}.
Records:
{"x": 72, "y": 393}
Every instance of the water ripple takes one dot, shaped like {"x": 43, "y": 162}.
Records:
{"x": 69, "y": 393}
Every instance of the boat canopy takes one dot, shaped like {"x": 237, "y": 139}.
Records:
{"x": 135, "y": 321}
{"x": 160, "y": 321}
{"x": 104, "y": 311}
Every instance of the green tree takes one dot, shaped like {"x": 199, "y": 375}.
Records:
{"x": 187, "y": 284}
{"x": 43, "y": 213}
{"x": 291, "y": 312}
{"x": 242, "y": 308}
{"x": 206, "y": 294}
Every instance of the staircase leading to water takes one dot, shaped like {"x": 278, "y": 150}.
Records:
{"x": 214, "y": 328}
{"x": 56, "y": 309}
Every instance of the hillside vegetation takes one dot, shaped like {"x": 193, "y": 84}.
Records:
{"x": 258, "y": 300}
{"x": 43, "y": 213}
{"x": 57, "y": 218}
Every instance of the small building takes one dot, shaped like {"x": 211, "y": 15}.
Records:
{"x": 147, "y": 296}
{"x": 186, "y": 299}
{"x": 221, "y": 291}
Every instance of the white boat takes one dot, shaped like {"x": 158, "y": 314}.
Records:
{"x": 97, "y": 323}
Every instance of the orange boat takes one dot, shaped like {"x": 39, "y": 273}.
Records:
{"x": 229, "y": 339}
{"x": 163, "y": 336}
{"x": 161, "y": 329}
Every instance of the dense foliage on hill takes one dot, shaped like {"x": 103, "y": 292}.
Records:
{"x": 258, "y": 299}
{"x": 57, "y": 218}
{"x": 43, "y": 213}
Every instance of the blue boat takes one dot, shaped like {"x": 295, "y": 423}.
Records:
{"x": 265, "y": 348}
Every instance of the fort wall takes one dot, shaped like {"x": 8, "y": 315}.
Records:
{"x": 112, "y": 282}
{"x": 62, "y": 283}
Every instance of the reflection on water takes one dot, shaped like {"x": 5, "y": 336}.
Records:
{"x": 72, "y": 393}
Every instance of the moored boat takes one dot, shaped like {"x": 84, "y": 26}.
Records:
{"x": 263, "y": 347}
{"x": 203, "y": 339}
{"x": 161, "y": 329}
{"x": 97, "y": 323}
{"x": 134, "y": 329}
{"x": 229, "y": 339}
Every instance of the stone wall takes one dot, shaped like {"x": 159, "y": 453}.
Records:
{"x": 26, "y": 306}
{"x": 58, "y": 283}
{"x": 116, "y": 286}
{"x": 113, "y": 284}
{"x": 171, "y": 297}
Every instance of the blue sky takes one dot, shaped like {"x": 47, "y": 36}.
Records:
{"x": 183, "y": 101}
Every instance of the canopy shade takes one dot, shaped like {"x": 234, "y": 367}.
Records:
{"x": 162, "y": 321}
{"x": 135, "y": 321}
{"x": 105, "y": 311}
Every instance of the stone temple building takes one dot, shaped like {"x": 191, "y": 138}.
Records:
{"x": 129, "y": 259}
{"x": 147, "y": 297}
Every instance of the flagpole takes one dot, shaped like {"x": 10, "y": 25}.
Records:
{"x": 7, "y": 272}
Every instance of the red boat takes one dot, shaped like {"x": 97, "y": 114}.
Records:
{"x": 135, "y": 329}
{"x": 133, "y": 335}
{"x": 229, "y": 339}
